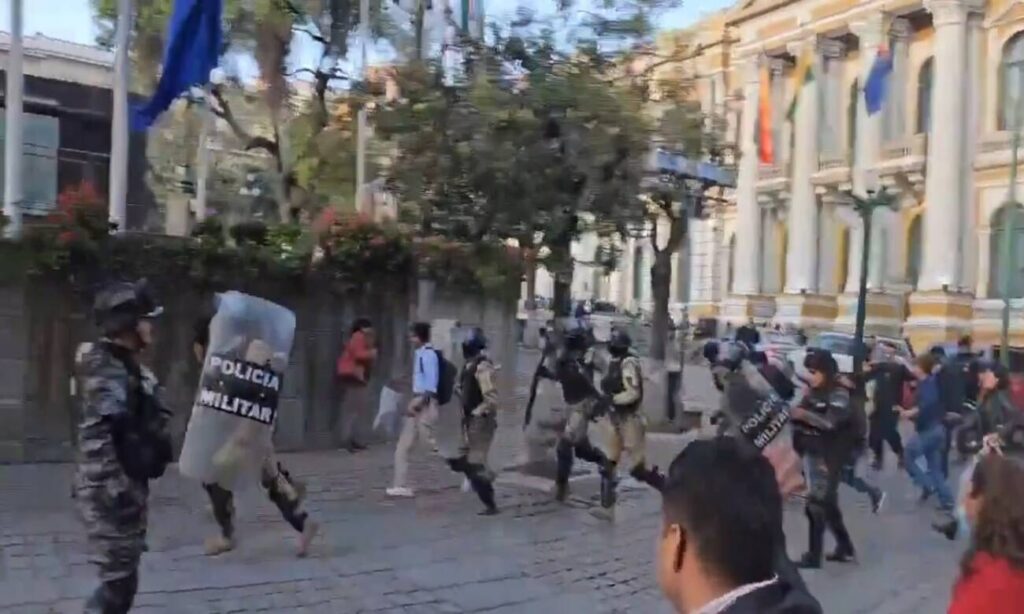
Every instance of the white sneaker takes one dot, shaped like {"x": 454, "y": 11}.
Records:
{"x": 399, "y": 491}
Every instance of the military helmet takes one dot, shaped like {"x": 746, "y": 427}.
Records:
{"x": 474, "y": 343}
{"x": 619, "y": 341}
{"x": 120, "y": 305}
{"x": 576, "y": 338}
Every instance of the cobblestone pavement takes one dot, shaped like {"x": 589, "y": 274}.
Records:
{"x": 432, "y": 554}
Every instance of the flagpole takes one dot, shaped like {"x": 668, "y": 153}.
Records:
{"x": 119, "y": 125}
{"x": 361, "y": 127}
{"x": 203, "y": 155}
{"x": 14, "y": 143}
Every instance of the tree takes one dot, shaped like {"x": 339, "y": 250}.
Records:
{"x": 526, "y": 142}
{"x": 310, "y": 145}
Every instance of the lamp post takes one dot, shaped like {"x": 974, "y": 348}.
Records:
{"x": 865, "y": 207}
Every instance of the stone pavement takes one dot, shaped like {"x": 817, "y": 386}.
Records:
{"x": 432, "y": 554}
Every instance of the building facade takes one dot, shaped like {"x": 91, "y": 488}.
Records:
{"x": 68, "y": 107}
{"x": 785, "y": 247}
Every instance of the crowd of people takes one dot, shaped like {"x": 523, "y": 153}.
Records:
{"x": 722, "y": 548}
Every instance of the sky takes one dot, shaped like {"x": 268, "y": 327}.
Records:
{"x": 72, "y": 19}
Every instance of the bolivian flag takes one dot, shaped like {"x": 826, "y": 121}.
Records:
{"x": 804, "y": 75}
{"x": 765, "y": 146}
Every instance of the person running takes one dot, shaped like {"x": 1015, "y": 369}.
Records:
{"x": 930, "y": 436}
{"x": 285, "y": 493}
{"x": 889, "y": 377}
{"x": 823, "y": 437}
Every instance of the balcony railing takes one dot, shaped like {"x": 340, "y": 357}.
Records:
{"x": 915, "y": 146}
{"x": 830, "y": 161}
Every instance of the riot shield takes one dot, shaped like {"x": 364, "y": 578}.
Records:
{"x": 761, "y": 417}
{"x": 229, "y": 432}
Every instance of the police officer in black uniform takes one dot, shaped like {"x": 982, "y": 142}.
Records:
{"x": 478, "y": 391}
{"x": 824, "y": 436}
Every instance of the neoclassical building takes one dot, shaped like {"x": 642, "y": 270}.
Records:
{"x": 785, "y": 247}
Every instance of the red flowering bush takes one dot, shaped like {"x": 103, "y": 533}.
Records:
{"x": 81, "y": 215}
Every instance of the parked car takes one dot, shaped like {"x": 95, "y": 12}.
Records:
{"x": 841, "y": 345}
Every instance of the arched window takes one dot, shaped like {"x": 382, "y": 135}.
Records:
{"x": 638, "y": 273}
{"x": 1011, "y": 80}
{"x": 998, "y": 267}
{"x": 924, "y": 97}
{"x": 914, "y": 251}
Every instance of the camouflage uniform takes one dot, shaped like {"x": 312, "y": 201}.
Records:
{"x": 476, "y": 388}
{"x": 479, "y": 421}
{"x": 113, "y": 505}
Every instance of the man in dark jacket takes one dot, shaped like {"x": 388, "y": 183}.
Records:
{"x": 889, "y": 377}
{"x": 717, "y": 553}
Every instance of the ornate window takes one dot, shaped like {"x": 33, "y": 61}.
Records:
{"x": 1011, "y": 80}
{"x": 914, "y": 251}
{"x": 998, "y": 267}
{"x": 924, "y": 97}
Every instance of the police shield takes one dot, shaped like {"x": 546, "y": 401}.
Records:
{"x": 229, "y": 432}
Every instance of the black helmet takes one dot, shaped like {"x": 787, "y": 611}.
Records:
{"x": 474, "y": 343}
{"x": 120, "y": 305}
{"x": 822, "y": 361}
{"x": 576, "y": 339}
{"x": 619, "y": 342}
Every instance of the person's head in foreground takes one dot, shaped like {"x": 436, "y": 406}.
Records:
{"x": 722, "y": 525}
{"x": 992, "y": 570}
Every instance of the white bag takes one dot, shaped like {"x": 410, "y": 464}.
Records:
{"x": 389, "y": 415}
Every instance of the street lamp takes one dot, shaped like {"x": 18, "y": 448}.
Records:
{"x": 865, "y": 207}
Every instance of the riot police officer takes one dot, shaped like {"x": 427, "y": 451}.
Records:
{"x": 478, "y": 392}
{"x": 123, "y": 441}
{"x": 824, "y": 436}
{"x": 574, "y": 370}
{"x": 624, "y": 390}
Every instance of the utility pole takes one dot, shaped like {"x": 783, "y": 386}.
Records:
{"x": 119, "y": 127}
{"x": 14, "y": 146}
{"x": 361, "y": 126}
{"x": 1009, "y": 227}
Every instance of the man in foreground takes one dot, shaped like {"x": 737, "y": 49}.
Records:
{"x": 719, "y": 541}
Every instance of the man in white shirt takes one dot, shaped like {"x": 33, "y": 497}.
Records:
{"x": 421, "y": 415}
{"x": 721, "y": 530}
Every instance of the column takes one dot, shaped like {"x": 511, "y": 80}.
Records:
{"x": 748, "y": 211}
{"x": 972, "y": 119}
{"x": 944, "y": 186}
{"x": 894, "y": 114}
{"x": 803, "y": 210}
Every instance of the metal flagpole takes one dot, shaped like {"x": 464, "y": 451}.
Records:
{"x": 119, "y": 127}
{"x": 14, "y": 143}
{"x": 203, "y": 155}
{"x": 361, "y": 127}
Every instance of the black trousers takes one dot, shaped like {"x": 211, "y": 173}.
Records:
{"x": 884, "y": 429}
{"x": 822, "y": 508}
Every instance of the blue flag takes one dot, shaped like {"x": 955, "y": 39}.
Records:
{"x": 878, "y": 80}
{"x": 193, "y": 49}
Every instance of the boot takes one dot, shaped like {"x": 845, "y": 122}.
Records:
{"x": 563, "y": 454}
{"x": 484, "y": 489}
{"x": 217, "y": 545}
{"x": 306, "y": 537}
{"x": 947, "y": 525}
{"x": 815, "y": 537}
{"x": 842, "y": 555}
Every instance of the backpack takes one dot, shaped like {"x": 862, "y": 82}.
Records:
{"x": 446, "y": 375}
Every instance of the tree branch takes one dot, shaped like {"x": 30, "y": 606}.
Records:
{"x": 223, "y": 110}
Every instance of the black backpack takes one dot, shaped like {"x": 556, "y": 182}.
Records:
{"x": 446, "y": 375}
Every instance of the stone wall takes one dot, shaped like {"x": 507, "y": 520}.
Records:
{"x": 42, "y": 323}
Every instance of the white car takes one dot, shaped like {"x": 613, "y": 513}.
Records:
{"x": 841, "y": 346}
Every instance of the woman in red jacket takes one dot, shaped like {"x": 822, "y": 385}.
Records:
{"x": 992, "y": 571}
{"x": 354, "y": 374}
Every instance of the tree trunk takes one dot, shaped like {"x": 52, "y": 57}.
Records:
{"x": 531, "y": 282}
{"x": 661, "y": 285}
{"x": 562, "y": 270}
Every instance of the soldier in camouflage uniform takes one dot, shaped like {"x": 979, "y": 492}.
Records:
{"x": 479, "y": 393}
{"x": 624, "y": 389}
{"x": 123, "y": 442}
{"x": 285, "y": 492}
